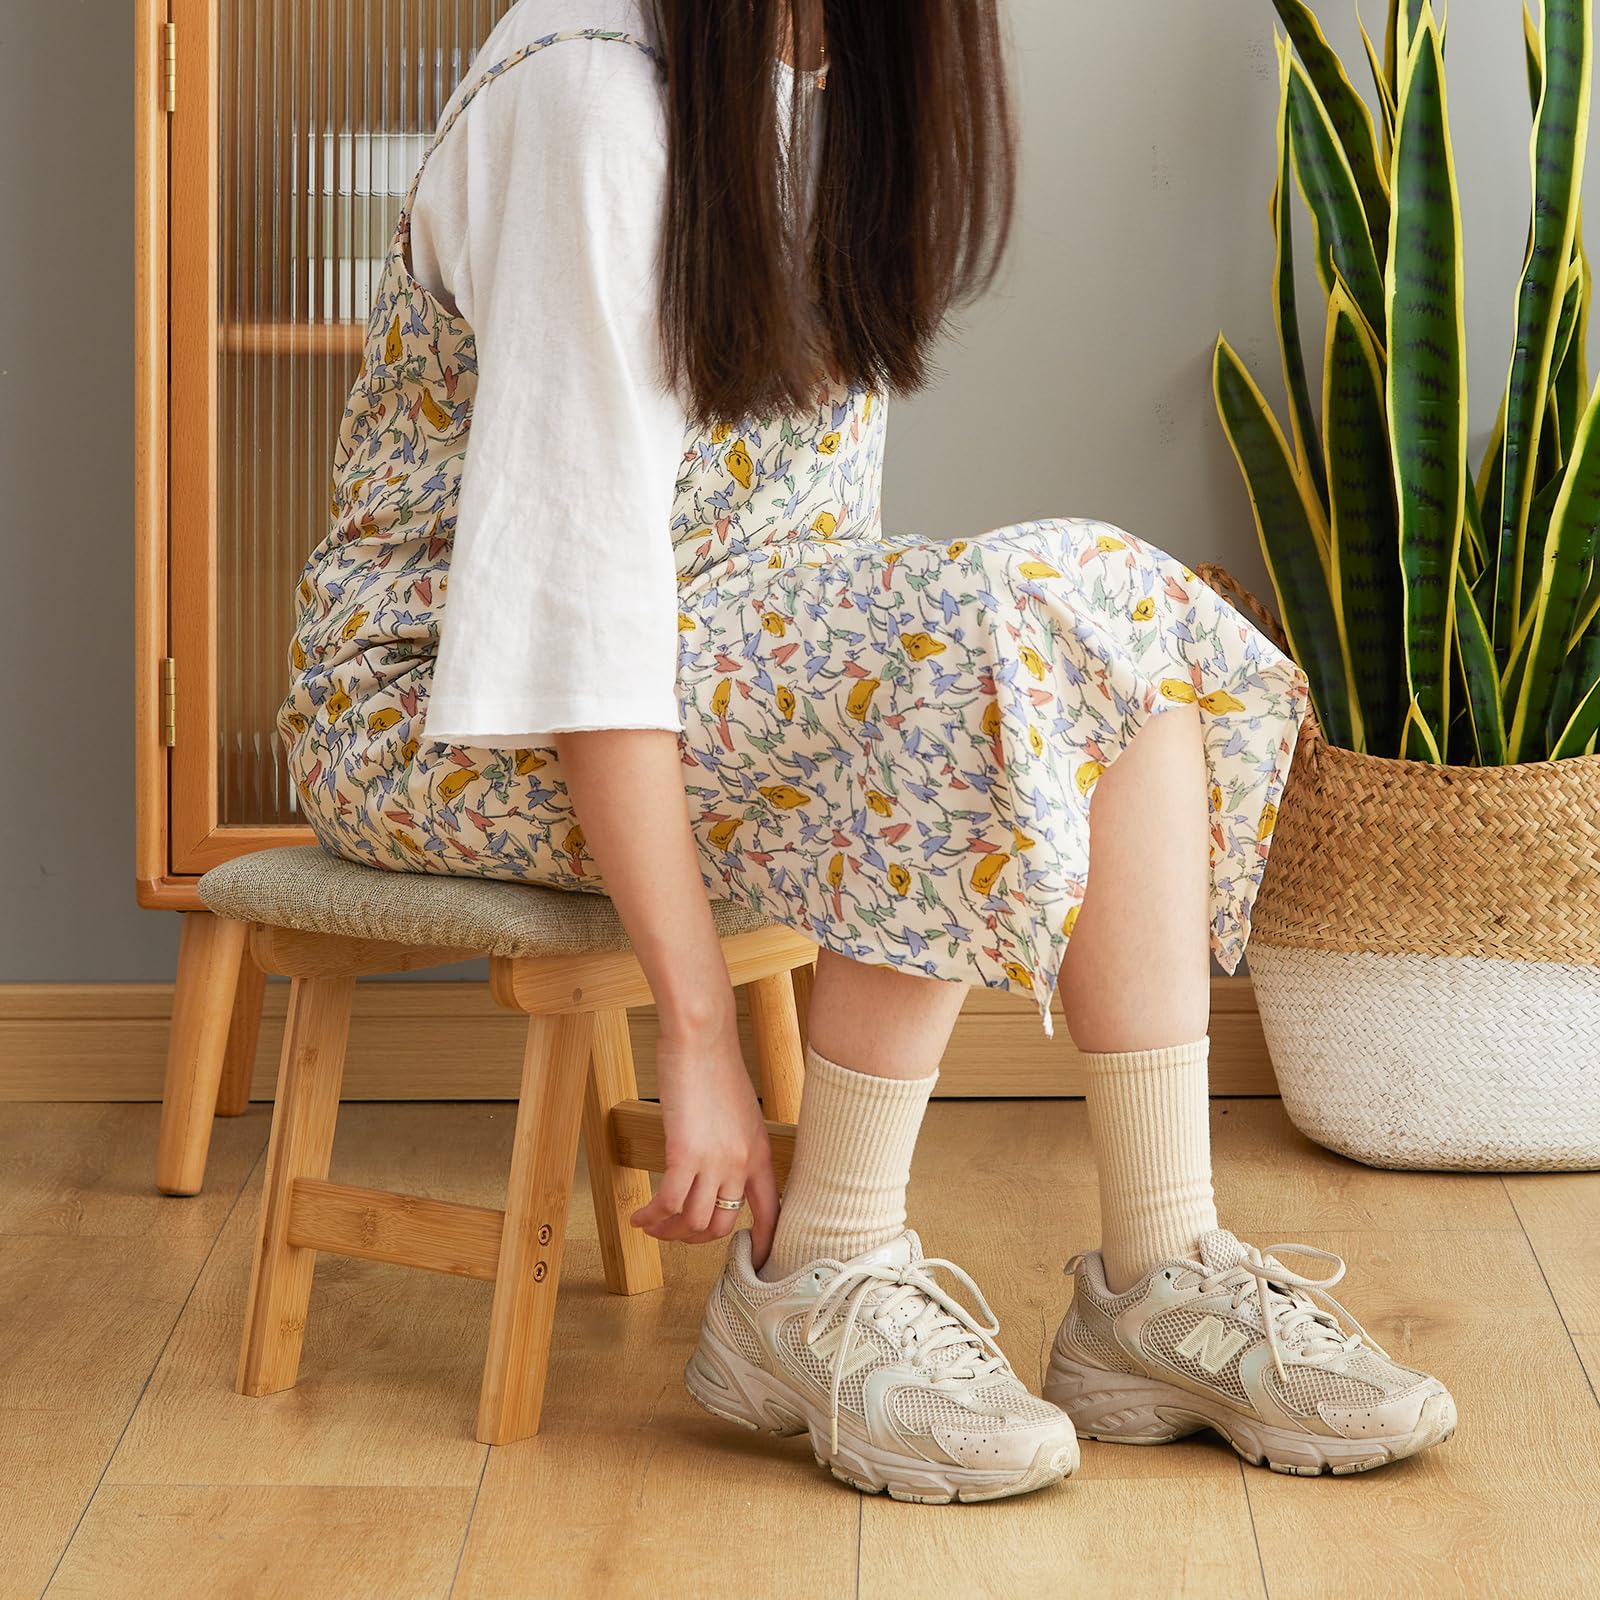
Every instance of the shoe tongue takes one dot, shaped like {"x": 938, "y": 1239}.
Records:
{"x": 898, "y": 1252}
{"x": 1220, "y": 1250}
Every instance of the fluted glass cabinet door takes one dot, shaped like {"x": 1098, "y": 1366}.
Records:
{"x": 297, "y": 127}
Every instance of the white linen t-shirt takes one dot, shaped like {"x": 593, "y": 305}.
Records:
{"x": 538, "y": 218}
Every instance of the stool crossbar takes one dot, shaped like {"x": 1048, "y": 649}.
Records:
{"x": 322, "y": 922}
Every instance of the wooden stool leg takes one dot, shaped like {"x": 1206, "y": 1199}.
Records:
{"x": 778, "y": 1052}
{"x": 299, "y": 1147}
{"x": 632, "y": 1259}
{"x": 555, "y": 1071}
{"x": 239, "y": 1059}
{"x": 210, "y": 954}
{"x": 804, "y": 979}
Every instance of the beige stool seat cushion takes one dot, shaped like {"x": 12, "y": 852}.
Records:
{"x": 309, "y": 888}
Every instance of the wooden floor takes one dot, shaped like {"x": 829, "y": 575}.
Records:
{"x": 131, "y": 1468}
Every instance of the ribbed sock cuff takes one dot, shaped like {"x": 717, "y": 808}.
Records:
{"x": 1149, "y": 1114}
{"x": 846, "y": 1191}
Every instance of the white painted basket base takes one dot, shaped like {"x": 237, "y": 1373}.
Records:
{"x": 1456, "y": 1062}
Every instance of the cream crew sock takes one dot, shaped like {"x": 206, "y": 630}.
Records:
{"x": 1149, "y": 1114}
{"x": 846, "y": 1191}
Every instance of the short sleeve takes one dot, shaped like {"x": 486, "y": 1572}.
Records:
{"x": 560, "y": 606}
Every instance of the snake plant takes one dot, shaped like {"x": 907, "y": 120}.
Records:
{"x": 1439, "y": 615}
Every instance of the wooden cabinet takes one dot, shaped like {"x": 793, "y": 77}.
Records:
{"x": 275, "y": 141}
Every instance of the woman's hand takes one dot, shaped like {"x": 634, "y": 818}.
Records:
{"x": 716, "y": 1139}
{"x": 626, "y": 785}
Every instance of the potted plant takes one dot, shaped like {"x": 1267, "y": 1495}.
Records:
{"x": 1426, "y": 941}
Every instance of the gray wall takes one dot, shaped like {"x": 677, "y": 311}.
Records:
{"x": 1079, "y": 386}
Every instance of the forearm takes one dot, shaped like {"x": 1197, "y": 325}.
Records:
{"x": 626, "y": 788}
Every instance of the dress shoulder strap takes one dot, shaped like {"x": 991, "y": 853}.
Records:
{"x": 491, "y": 73}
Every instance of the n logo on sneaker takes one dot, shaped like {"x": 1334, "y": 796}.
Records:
{"x": 1211, "y": 1345}
{"x": 863, "y": 1352}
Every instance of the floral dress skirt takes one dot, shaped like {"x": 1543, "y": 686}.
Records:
{"x": 890, "y": 742}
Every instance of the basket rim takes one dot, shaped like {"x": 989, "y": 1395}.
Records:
{"x": 1313, "y": 738}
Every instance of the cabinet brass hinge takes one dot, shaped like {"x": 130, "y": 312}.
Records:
{"x": 169, "y": 701}
{"x": 170, "y": 66}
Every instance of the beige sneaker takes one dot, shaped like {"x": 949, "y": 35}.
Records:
{"x": 899, "y": 1387}
{"x": 1233, "y": 1341}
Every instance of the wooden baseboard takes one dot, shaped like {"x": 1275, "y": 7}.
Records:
{"x": 449, "y": 1041}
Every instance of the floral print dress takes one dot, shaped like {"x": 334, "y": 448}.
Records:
{"x": 890, "y": 742}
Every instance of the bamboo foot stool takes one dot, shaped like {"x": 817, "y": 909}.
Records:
{"x": 562, "y": 958}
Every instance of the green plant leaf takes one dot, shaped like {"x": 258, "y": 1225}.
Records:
{"x": 1483, "y": 503}
{"x": 1340, "y": 223}
{"x": 1402, "y": 13}
{"x": 1474, "y": 548}
{"x": 1569, "y": 551}
{"x": 1532, "y": 58}
{"x": 1347, "y": 112}
{"x": 1418, "y": 743}
{"x": 1577, "y": 734}
{"x": 1566, "y": 697}
{"x": 1570, "y": 385}
{"x": 1286, "y": 515}
{"x": 1539, "y": 514}
{"x": 1427, "y": 380}
{"x": 1580, "y": 343}
{"x": 1302, "y": 419}
{"x": 1404, "y": 16}
{"x": 1380, "y": 82}
{"x": 1588, "y": 610}
{"x": 1557, "y": 147}
{"x": 1481, "y": 681}
{"x": 1365, "y": 568}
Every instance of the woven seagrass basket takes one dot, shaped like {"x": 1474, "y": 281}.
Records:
{"x": 1425, "y": 952}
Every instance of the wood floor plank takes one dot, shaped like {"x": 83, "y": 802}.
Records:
{"x": 1495, "y": 1510}
{"x": 1091, "y": 1535}
{"x": 1413, "y": 1535}
{"x": 83, "y": 1311}
{"x": 1560, "y": 1213}
{"x": 84, "y": 1319}
{"x": 90, "y": 1170}
{"x": 1588, "y": 1346}
{"x": 265, "y": 1543}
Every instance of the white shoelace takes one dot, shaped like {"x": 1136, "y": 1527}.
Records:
{"x": 1293, "y": 1311}
{"x": 941, "y": 1323}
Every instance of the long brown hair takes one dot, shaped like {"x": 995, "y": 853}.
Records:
{"x": 913, "y": 201}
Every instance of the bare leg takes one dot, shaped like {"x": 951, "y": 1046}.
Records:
{"x": 881, "y": 1020}
{"x": 1136, "y": 974}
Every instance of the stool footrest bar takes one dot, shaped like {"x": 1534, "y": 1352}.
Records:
{"x": 405, "y": 1229}
{"x": 640, "y": 1140}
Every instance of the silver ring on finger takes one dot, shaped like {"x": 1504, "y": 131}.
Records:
{"x": 730, "y": 1203}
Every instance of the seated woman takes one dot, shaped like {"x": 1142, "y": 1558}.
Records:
{"x": 664, "y": 267}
